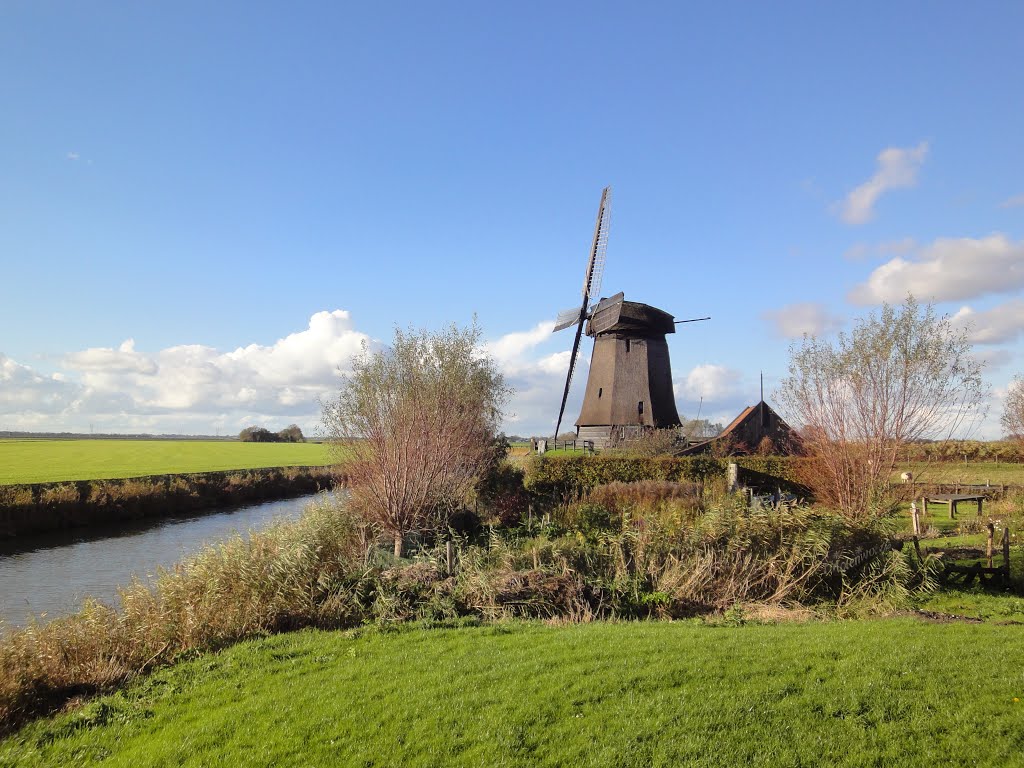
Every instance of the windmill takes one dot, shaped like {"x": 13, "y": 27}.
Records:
{"x": 629, "y": 386}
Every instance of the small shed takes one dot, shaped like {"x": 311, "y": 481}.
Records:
{"x": 749, "y": 431}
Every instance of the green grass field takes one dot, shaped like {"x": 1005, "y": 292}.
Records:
{"x": 42, "y": 461}
{"x": 885, "y": 692}
{"x": 975, "y": 472}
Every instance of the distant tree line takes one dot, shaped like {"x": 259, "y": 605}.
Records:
{"x": 290, "y": 434}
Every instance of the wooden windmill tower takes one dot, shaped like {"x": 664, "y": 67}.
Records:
{"x": 629, "y": 387}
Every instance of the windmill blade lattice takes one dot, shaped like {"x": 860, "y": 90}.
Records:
{"x": 591, "y": 288}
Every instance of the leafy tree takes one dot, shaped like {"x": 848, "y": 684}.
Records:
{"x": 291, "y": 434}
{"x": 900, "y": 375}
{"x": 257, "y": 435}
{"x": 1013, "y": 410}
{"x": 420, "y": 421}
{"x": 701, "y": 429}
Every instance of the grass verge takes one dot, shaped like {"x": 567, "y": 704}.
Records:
{"x": 892, "y": 692}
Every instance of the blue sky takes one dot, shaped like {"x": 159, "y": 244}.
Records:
{"x": 206, "y": 208}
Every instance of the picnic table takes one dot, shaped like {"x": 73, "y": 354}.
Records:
{"x": 951, "y": 500}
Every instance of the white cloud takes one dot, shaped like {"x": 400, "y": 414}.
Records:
{"x": 950, "y": 269}
{"x": 190, "y": 388}
{"x": 1001, "y": 324}
{"x": 124, "y": 359}
{"x": 1013, "y": 202}
{"x": 896, "y": 168}
{"x": 72, "y": 156}
{"x": 709, "y": 382}
{"x": 186, "y": 387}
{"x": 23, "y": 390}
{"x": 539, "y": 379}
{"x": 512, "y": 346}
{"x": 794, "y": 320}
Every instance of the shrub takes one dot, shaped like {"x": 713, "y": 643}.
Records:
{"x": 502, "y": 495}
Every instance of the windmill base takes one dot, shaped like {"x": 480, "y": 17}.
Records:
{"x": 608, "y": 436}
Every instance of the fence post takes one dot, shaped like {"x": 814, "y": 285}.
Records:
{"x": 988, "y": 548}
{"x": 1006, "y": 555}
{"x": 915, "y": 520}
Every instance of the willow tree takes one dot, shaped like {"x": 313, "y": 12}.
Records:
{"x": 418, "y": 422}
{"x": 900, "y": 375}
{"x": 1013, "y": 410}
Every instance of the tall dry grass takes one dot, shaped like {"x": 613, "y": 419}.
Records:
{"x": 291, "y": 575}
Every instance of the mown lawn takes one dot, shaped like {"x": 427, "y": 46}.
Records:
{"x": 42, "y": 461}
{"x": 885, "y": 692}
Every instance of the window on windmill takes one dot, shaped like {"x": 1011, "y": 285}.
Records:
{"x": 640, "y": 407}
{"x": 599, "y": 391}
{"x": 627, "y": 345}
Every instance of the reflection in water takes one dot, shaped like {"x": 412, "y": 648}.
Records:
{"x": 52, "y": 573}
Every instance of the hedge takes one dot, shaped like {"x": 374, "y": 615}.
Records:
{"x": 567, "y": 476}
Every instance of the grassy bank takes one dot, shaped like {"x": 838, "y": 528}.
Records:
{"x": 47, "y": 461}
{"x": 42, "y": 507}
{"x": 893, "y": 692}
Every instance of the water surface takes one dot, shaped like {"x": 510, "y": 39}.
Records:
{"x": 50, "y": 574}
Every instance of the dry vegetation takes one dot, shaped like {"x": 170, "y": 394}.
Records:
{"x": 654, "y": 549}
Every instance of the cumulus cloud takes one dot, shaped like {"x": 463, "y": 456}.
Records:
{"x": 795, "y": 320}
{"x": 191, "y": 388}
{"x": 188, "y": 386}
{"x": 950, "y": 269}
{"x": 1001, "y": 324}
{"x": 538, "y": 377}
{"x": 513, "y": 346}
{"x": 24, "y": 390}
{"x": 895, "y": 168}
{"x": 709, "y": 382}
{"x": 124, "y": 359}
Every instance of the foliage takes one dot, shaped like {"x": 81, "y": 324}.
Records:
{"x": 47, "y": 461}
{"x": 649, "y": 443}
{"x": 290, "y": 434}
{"x": 701, "y": 429}
{"x": 561, "y": 478}
{"x": 964, "y": 450}
{"x": 501, "y": 493}
{"x": 1013, "y": 410}
{"x": 257, "y": 435}
{"x": 902, "y": 375}
{"x": 420, "y": 419}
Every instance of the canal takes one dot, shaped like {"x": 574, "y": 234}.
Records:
{"x": 49, "y": 575}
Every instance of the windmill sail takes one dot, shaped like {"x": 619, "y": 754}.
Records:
{"x": 566, "y": 318}
{"x": 591, "y": 288}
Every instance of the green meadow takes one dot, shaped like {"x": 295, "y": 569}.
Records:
{"x": 45, "y": 461}
{"x": 883, "y": 692}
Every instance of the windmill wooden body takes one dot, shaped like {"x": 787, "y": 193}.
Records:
{"x": 629, "y": 387}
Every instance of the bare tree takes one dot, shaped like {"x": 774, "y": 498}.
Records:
{"x": 1013, "y": 409}
{"x": 901, "y": 375}
{"x": 418, "y": 421}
